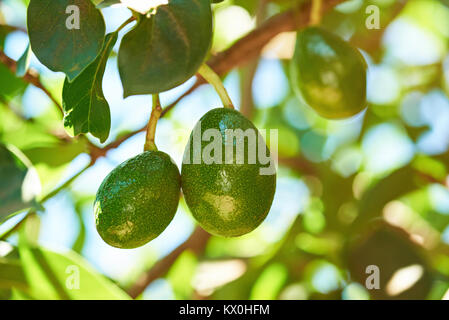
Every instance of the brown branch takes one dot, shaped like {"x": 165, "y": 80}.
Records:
{"x": 31, "y": 77}
{"x": 196, "y": 243}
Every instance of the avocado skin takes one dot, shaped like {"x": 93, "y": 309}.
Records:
{"x": 329, "y": 74}
{"x": 227, "y": 200}
{"x": 137, "y": 200}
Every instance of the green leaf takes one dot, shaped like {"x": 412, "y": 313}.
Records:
{"x": 80, "y": 202}
{"x": 165, "y": 49}
{"x": 19, "y": 183}
{"x": 105, "y": 3}
{"x": 24, "y": 62}
{"x": 181, "y": 274}
{"x": 17, "y": 294}
{"x": 58, "y": 47}
{"x": 10, "y": 84}
{"x": 66, "y": 275}
{"x": 83, "y": 100}
{"x": 390, "y": 250}
{"x": 11, "y": 274}
{"x": 270, "y": 282}
{"x": 56, "y": 154}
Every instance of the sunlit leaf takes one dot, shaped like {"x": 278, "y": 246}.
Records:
{"x": 181, "y": 274}
{"x": 269, "y": 283}
{"x": 10, "y": 84}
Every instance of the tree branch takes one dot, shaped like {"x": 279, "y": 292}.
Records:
{"x": 196, "y": 243}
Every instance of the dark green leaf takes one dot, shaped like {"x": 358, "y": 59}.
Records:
{"x": 83, "y": 100}
{"x": 19, "y": 183}
{"x": 166, "y": 49}
{"x": 23, "y": 62}
{"x": 57, "y": 46}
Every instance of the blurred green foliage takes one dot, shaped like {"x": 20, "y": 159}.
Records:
{"x": 377, "y": 184}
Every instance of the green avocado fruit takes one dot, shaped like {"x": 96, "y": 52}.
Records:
{"x": 137, "y": 200}
{"x": 228, "y": 197}
{"x": 329, "y": 74}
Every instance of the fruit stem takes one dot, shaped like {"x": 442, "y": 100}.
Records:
{"x": 151, "y": 129}
{"x": 124, "y": 24}
{"x": 315, "y": 12}
{"x": 210, "y": 76}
